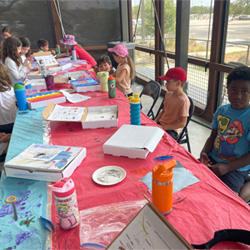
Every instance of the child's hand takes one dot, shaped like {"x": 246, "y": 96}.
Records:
{"x": 53, "y": 52}
{"x": 205, "y": 159}
{"x": 96, "y": 69}
{"x": 220, "y": 168}
{"x": 4, "y": 137}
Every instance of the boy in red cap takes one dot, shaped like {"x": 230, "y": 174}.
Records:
{"x": 175, "y": 112}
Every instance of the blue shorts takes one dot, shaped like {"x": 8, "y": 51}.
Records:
{"x": 234, "y": 179}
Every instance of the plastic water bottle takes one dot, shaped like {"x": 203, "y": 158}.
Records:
{"x": 73, "y": 52}
{"x": 66, "y": 202}
{"x": 162, "y": 186}
{"x": 43, "y": 68}
{"x": 19, "y": 90}
{"x": 58, "y": 49}
{"x": 135, "y": 113}
{"x": 111, "y": 87}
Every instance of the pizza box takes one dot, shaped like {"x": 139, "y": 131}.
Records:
{"x": 133, "y": 141}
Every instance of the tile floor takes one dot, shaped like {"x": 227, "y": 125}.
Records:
{"x": 198, "y": 129}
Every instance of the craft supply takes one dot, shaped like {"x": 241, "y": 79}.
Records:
{"x": 49, "y": 80}
{"x": 42, "y": 68}
{"x": 103, "y": 78}
{"x": 12, "y": 199}
{"x": 135, "y": 113}
{"x": 162, "y": 158}
{"x": 162, "y": 186}
{"x": 66, "y": 202}
{"x": 44, "y": 222}
{"x": 73, "y": 52}
{"x": 111, "y": 87}
{"x": 20, "y": 96}
{"x": 58, "y": 49}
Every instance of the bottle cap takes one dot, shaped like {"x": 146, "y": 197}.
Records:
{"x": 63, "y": 187}
{"x": 164, "y": 173}
{"x": 111, "y": 78}
{"x": 134, "y": 99}
{"x": 19, "y": 85}
{"x": 28, "y": 86}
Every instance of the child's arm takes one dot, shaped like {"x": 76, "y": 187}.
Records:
{"x": 121, "y": 76}
{"x": 222, "y": 168}
{"x": 159, "y": 116}
{"x": 208, "y": 147}
{"x": 180, "y": 124}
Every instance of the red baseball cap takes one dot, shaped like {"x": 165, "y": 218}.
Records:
{"x": 175, "y": 73}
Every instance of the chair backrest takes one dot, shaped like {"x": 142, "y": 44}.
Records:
{"x": 191, "y": 111}
{"x": 152, "y": 89}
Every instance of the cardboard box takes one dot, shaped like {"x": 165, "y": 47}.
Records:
{"x": 133, "y": 141}
{"x": 84, "y": 85}
{"x": 90, "y": 117}
{"x": 45, "y": 162}
{"x": 44, "y": 98}
{"x": 47, "y": 57}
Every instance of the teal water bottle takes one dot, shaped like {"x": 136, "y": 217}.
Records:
{"x": 111, "y": 87}
{"x": 20, "y": 96}
{"x": 135, "y": 113}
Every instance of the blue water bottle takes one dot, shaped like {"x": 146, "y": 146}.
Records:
{"x": 73, "y": 52}
{"x": 20, "y": 96}
{"x": 135, "y": 113}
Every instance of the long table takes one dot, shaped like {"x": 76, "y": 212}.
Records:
{"x": 198, "y": 210}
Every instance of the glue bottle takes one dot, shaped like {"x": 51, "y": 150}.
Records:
{"x": 135, "y": 113}
{"x": 73, "y": 52}
{"x": 162, "y": 186}
{"x": 58, "y": 49}
{"x": 66, "y": 202}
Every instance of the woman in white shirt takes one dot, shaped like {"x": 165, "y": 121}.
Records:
{"x": 12, "y": 47}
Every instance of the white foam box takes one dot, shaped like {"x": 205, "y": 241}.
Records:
{"x": 133, "y": 141}
{"x": 38, "y": 84}
{"x": 93, "y": 117}
{"x": 101, "y": 117}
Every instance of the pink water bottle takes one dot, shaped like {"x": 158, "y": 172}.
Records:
{"x": 66, "y": 202}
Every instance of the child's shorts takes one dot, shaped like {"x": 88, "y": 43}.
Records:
{"x": 234, "y": 179}
{"x": 3, "y": 146}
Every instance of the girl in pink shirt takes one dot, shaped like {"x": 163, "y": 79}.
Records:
{"x": 125, "y": 69}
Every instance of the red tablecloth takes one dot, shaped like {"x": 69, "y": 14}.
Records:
{"x": 198, "y": 210}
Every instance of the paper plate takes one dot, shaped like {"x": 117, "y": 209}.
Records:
{"x": 109, "y": 175}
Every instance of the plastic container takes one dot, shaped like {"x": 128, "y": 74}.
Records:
{"x": 49, "y": 80}
{"x": 28, "y": 89}
{"x": 66, "y": 202}
{"x": 103, "y": 78}
{"x": 135, "y": 112}
{"x": 58, "y": 49}
{"x": 73, "y": 52}
{"x": 162, "y": 186}
{"x": 111, "y": 87}
{"x": 43, "y": 68}
{"x": 20, "y": 96}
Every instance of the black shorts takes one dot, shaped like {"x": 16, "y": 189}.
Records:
{"x": 172, "y": 133}
{"x": 234, "y": 179}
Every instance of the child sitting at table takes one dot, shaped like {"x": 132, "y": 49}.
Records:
{"x": 8, "y": 106}
{"x": 43, "y": 46}
{"x": 226, "y": 150}
{"x": 125, "y": 69}
{"x": 6, "y": 32}
{"x": 25, "y": 51}
{"x": 12, "y": 47}
{"x": 175, "y": 112}
{"x": 81, "y": 53}
{"x": 104, "y": 64}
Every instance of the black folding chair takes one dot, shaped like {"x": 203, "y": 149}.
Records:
{"x": 153, "y": 90}
{"x": 183, "y": 136}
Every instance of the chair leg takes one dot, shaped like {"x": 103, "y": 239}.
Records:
{"x": 188, "y": 144}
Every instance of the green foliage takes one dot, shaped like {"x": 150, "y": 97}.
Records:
{"x": 240, "y": 7}
{"x": 200, "y": 10}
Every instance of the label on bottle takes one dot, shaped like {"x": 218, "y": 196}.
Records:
{"x": 67, "y": 210}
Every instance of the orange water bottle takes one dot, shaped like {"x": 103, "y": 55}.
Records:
{"x": 162, "y": 186}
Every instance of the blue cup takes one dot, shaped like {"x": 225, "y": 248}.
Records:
{"x": 21, "y": 99}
